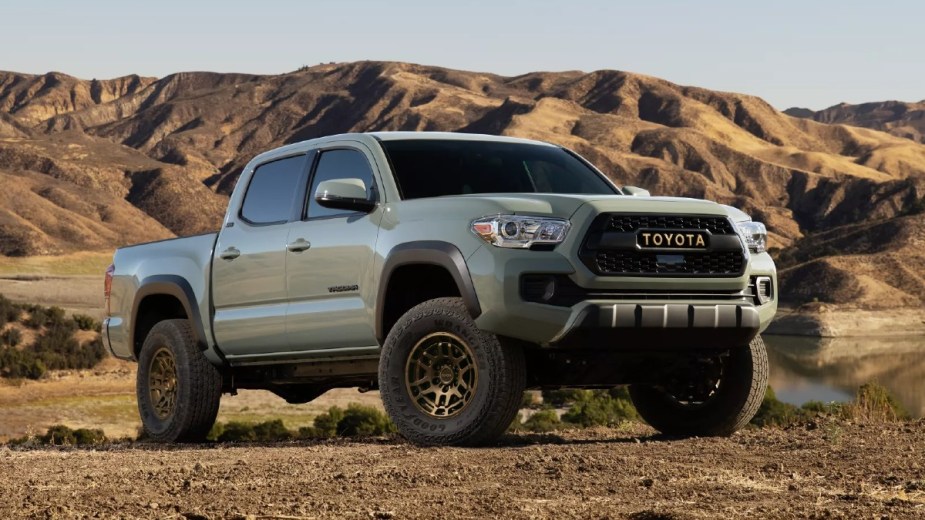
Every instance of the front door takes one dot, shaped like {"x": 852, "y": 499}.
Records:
{"x": 329, "y": 275}
{"x": 249, "y": 269}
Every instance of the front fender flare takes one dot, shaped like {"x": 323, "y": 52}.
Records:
{"x": 428, "y": 252}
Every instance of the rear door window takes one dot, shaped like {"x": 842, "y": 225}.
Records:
{"x": 272, "y": 191}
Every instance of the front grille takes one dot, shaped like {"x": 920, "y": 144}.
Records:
{"x": 633, "y": 223}
{"x": 610, "y": 248}
{"x": 643, "y": 262}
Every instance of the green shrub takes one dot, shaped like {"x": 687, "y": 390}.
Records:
{"x": 9, "y": 311}
{"x": 54, "y": 349}
{"x": 60, "y": 435}
{"x": 40, "y": 316}
{"x": 356, "y": 420}
{"x": 274, "y": 430}
{"x": 268, "y": 431}
{"x": 542, "y": 421}
{"x": 362, "y": 420}
{"x": 37, "y": 318}
{"x": 235, "y": 431}
{"x": 11, "y": 337}
{"x": 58, "y": 348}
{"x": 601, "y": 408}
{"x": 16, "y": 364}
{"x": 85, "y": 322}
{"x": 325, "y": 424}
{"x": 85, "y": 436}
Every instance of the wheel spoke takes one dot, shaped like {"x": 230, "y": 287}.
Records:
{"x": 162, "y": 381}
{"x": 441, "y": 375}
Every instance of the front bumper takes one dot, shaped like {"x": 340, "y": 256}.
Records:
{"x": 665, "y": 326}
{"x": 652, "y": 317}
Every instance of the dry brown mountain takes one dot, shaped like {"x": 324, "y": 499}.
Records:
{"x": 164, "y": 153}
{"x": 896, "y": 117}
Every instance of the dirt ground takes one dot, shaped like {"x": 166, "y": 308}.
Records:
{"x": 826, "y": 470}
{"x": 104, "y": 398}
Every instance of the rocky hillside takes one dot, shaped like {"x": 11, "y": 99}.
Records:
{"x": 96, "y": 164}
{"x": 896, "y": 117}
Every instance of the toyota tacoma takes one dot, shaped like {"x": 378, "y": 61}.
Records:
{"x": 451, "y": 272}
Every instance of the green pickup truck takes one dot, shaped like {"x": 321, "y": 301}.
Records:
{"x": 451, "y": 272}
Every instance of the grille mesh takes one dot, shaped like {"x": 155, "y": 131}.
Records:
{"x": 629, "y": 261}
{"x": 632, "y": 223}
{"x": 643, "y": 262}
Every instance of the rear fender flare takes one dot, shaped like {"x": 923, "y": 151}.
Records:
{"x": 179, "y": 288}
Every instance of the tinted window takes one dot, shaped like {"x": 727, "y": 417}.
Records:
{"x": 338, "y": 164}
{"x": 432, "y": 168}
{"x": 272, "y": 191}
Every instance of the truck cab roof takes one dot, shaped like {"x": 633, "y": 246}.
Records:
{"x": 371, "y": 138}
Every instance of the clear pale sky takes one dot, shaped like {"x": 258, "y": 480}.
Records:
{"x": 808, "y": 53}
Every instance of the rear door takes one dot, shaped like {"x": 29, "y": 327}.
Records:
{"x": 330, "y": 282}
{"x": 249, "y": 269}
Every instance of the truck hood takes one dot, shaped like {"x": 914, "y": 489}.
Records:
{"x": 554, "y": 205}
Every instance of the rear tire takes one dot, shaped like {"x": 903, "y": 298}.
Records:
{"x": 445, "y": 382}
{"x": 178, "y": 389}
{"x": 736, "y": 399}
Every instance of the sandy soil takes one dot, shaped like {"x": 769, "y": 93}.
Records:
{"x": 827, "y": 470}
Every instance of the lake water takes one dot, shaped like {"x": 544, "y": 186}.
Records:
{"x": 831, "y": 369}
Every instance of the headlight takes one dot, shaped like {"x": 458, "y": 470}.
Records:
{"x": 754, "y": 234}
{"x": 520, "y": 232}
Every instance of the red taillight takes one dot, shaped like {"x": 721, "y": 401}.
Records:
{"x": 107, "y": 286}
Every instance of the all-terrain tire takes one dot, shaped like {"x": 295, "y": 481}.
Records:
{"x": 197, "y": 388}
{"x": 740, "y": 392}
{"x": 500, "y": 371}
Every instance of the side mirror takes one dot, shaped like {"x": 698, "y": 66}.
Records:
{"x": 349, "y": 194}
{"x": 635, "y": 192}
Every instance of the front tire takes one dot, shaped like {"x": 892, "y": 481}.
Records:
{"x": 178, "y": 389}
{"x": 445, "y": 382}
{"x": 717, "y": 402}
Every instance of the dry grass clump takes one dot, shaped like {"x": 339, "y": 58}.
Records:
{"x": 873, "y": 403}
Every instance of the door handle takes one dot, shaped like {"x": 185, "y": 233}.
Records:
{"x": 230, "y": 254}
{"x": 298, "y": 245}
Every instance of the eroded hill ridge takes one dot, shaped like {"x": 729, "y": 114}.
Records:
{"x": 89, "y": 164}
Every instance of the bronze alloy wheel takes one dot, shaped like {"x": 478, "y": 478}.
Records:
{"x": 162, "y": 383}
{"x": 441, "y": 375}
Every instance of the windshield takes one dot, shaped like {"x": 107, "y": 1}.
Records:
{"x": 433, "y": 168}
